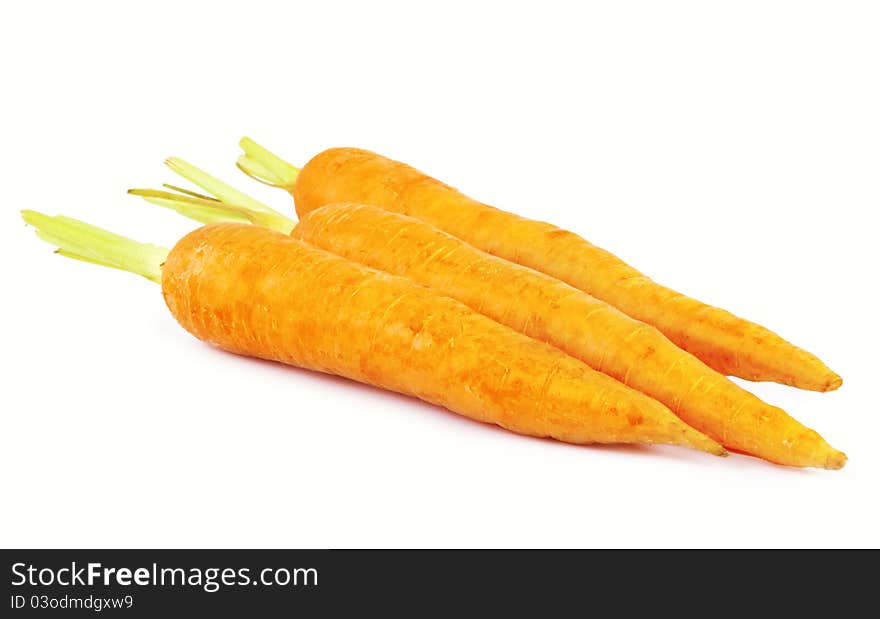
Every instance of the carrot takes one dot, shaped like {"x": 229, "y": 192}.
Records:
{"x": 544, "y": 308}
{"x": 727, "y": 343}
{"x": 260, "y": 293}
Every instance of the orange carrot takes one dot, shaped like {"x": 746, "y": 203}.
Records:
{"x": 547, "y": 309}
{"x": 257, "y": 292}
{"x": 727, "y": 343}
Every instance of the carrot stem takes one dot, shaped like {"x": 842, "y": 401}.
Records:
{"x": 209, "y": 210}
{"x": 81, "y": 241}
{"x": 200, "y": 209}
{"x": 216, "y": 187}
{"x": 188, "y": 192}
{"x": 264, "y": 166}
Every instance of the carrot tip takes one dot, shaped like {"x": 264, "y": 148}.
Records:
{"x": 835, "y": 461}
{"x": 698, "y": 440}
{"x": 833, "y": 383}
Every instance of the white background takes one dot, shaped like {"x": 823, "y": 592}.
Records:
{"x": 730, "y": 150}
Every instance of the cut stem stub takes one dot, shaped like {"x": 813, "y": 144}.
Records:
{"x": 265, "y": 166}
{"x": 81, "y": 241}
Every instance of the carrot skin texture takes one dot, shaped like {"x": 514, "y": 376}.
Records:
{"x": 727, "y": 343}
{"x": 260, "y": 293}
{"x": 547, "y": 309}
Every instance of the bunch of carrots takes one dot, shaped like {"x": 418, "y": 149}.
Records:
{"x": 427, "y": 292}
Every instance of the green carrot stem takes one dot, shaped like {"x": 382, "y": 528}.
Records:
{"x": 216, "y": 187}
{"x": 208, "y": 210}
{"x": 81, "y": 241}
{"x": 188, "y": 192}
{"x": 265, "y": 166}
{"x": 203, "y": 210}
